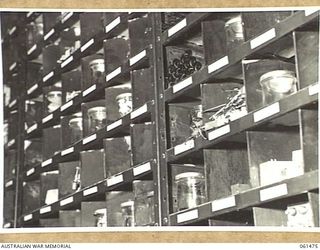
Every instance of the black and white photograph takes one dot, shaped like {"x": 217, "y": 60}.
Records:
{"x": 160, "y": 119}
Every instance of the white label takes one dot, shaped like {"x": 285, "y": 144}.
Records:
{"x": 46, "y": 163}
{"x": 113, "y": 74}
{"x": 66, "y": 62}
{"x": 219, "y": 132}
{"x": 308, "y": 12}
{"x": 12, "y": 103}
{"x": 32, "y": 128}
{"x": 89, "y": 90}
{"x": 12, "y": 30}
{"x": 67, "y": 151}
{"x": 67, "y": 105}
{"x": 87, "y": 45}
{"x": 139, "y": 111}
{"x": 29, "y": 13}
{"x": 114, "y": 125}
{"x": 113, "y": 24}
{"x": 141, "y": 169}
{"x": 114, "y": 180}
{"x": 28, "y": 217}
{"x": 90, "y": 191}
{"x": 218, "y": 64}
{"x": 137, "y": 58}
{"x": 66, "y": 201}
{"x": 190, "y": 215}
{"x": 184, "y": 147}
{"x": 89, "y": 139}
{"x": 33, "y": 48}
{"x": 177, "y": 27}
{"x": 48, "y": 76}
{"x": 223, "y": 203}
{"x": 47, "y": 118}
{"x": 13, "y": 66}
{"x": 266, "y": 112}
{"x": 45, "y": 210}
{"x": 10, "y": 143}
{"x": 181, "y": 85}
{"x": 7, "y": 225}
{"x": 266, "y": 36}
{"x": 30, "y": 171}
{"x": 314, "y": 89}
{"x": 31, "y": 89}
{"x": 273, "y": 192}
{"x": 9, "y": 183}
{"x": 66, "y": 17}
{"x": 50, "y": 33}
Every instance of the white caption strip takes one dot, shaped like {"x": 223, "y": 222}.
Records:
{"x": 263, "y": 38}
{"x": 89, "y": 90}
{"x": 32, "y": 128}
{"x": 67, "y": 151}
{"x": 266, "y": 112}
{"x": 113, "y": 24}
{"x": 31, "y": 89}
{"x": 29, "y": 13}
{"x": 223, "y": 203}
{"x": 89, "y": 139}
{"x": 177, "y": 27}
{"x": 28, "y": 217}
{"x": 218, "y": 64}
{"x": 47, "y": 118}
{"x": 66, "y": 201}
{"x": 11, "y": 104}
{"x": 10, "y": 143}
{"x": 48, "y": 76}
{"x": 67, "y": 105}
{"x": 66, "y": 62}
{"x": 12, "y": 30}
{"x": 314, "y": 89}
{"x": 9, "y": 184}
{"x": 141, "y": 169}
{"x": 87, "y": 45}
{"x": 181, "y": 85}
{"x": 114, "y": 125}
{"x": 12, "y": 66}
{"x": 89, "y": 191}
{"x": 219, "y": 132}
{"x": 308, "y": 12}
{"x": 66, "y": 17}
{"x": 137, "y": 57}
{"x": 190, "y": 215}
{"x": 49, "y": 34}
{"x": 45, "y": 210}
{"x": 33, "y": 48}
{"x": 7, "y": 225}
{"x": 113, "y": 74}
{"x": 30, "y": 171}
{"x": 46, "y": 163}
{"x": 114, "y": 180}
{"x": 273, "y": 192}
{"x": 139, "y": 111}
{"x": 184, "y": 147}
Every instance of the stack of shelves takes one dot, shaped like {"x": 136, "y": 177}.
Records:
{"x": 108, "y": 112}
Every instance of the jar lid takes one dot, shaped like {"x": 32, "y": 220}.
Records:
{"x": 277, "y": 73}
{"x": 188, "y": 175}
{"x": 100, "y": 211}
{"x": 97, "y": 109}
{"x": 96, "y": 61}
{"x": 75, "y": 120}
{"x": 55, "y": 92}
{"x": 233, "y": 20}
{"x": 127, "y": 204}
{"x": 123, "y": 95}
{"x": 79, "y": 114}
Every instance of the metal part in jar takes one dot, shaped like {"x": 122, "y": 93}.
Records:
{"x": 97, "y": 118}
{"x": 277, "y": 84}
{"x": 101, "y": 217}
{"x": 127, "y": 211}
{"x": 96, "y": 69}
{"x": 190, "y": 189}
{"x": 234, "y": 31}
{"x": 124, "y": 101}
{"x": 54, "y": 100}
{"x": 196, "y": 120}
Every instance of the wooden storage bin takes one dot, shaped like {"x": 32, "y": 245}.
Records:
{"x": 52, "y": 98}
{"x": 51, "y": 54}
{"x": 90, "y": 128}
{"x": 71, "y": 85}
{"x": 116, "y": 52}
{"x": 69, "y": 134}
{"x": 51, "y": 141}
{"x": 31, "y": 196}
{"x": 33, "y": 152}
{"x": 88, "y": 209}
{"x": 49, "y": 192}
{"x": 87, "y": 79}
{"x": 66, "y": 178}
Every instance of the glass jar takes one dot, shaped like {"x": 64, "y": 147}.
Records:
{"x": 277, "y": 84}
{"x": 234, "y": 32}
{"x": 127, "y": 211}
{"x": 54, "y": 100}
{"x": 124, "y": 101}
{"x": 96, "y": 69}
{"x": 97, "y": 118}
{"x": 75, "y": 125}
{"x": 101, "y": 217}
{"x": 190, "y": 189}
